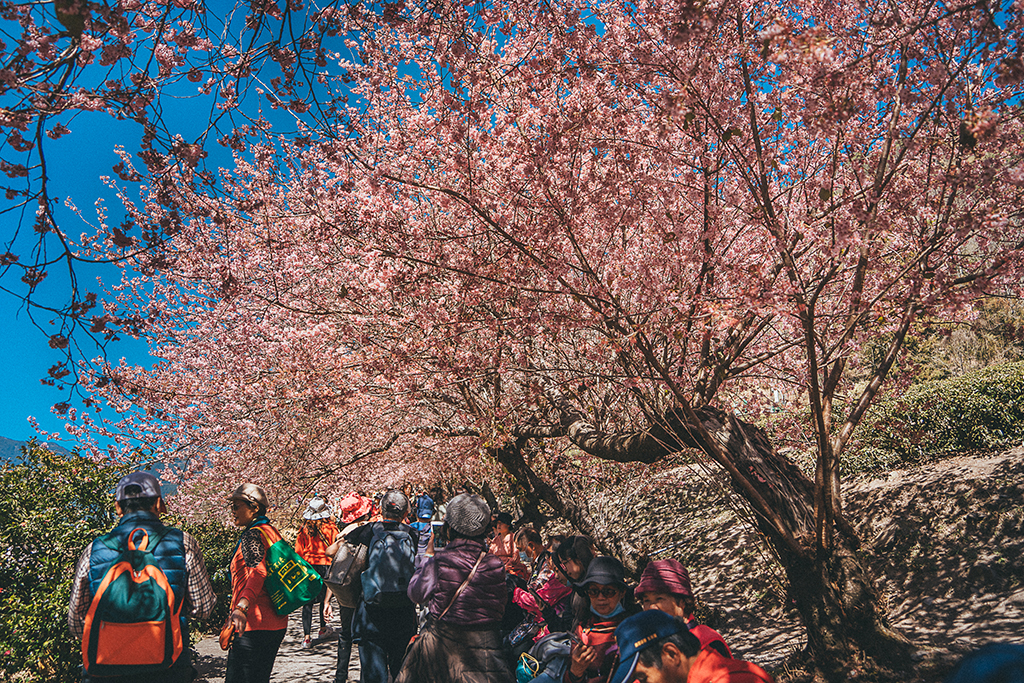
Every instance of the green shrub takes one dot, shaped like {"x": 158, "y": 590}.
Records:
{"x": 218, "y": 545}
{"x": 50, "y": 508}
{"x": 979, "y": 410}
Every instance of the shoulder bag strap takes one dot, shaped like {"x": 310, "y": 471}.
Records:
{"x": 465, "y": 583}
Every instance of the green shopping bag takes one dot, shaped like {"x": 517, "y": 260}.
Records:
{"x": 291, "y": 581}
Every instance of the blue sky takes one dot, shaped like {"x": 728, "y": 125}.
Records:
{"x": 77, "y": 162}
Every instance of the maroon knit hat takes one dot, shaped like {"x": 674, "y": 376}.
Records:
{"x": 665, "y": 576}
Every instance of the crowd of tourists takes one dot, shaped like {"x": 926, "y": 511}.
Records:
{"x": 427, "y": 591}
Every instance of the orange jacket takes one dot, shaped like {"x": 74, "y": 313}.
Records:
{"x": 312, "y": 546}
{"x": 247, "y": 579}
{"x": 505, "y": 548}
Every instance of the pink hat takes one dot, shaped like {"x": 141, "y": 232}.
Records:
{"x": 665, "y": 576}
{"x": 353, "y": 506}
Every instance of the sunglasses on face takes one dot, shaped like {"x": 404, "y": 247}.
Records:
{"x": 236, "y": 505}
{"x": 599, "y": 592}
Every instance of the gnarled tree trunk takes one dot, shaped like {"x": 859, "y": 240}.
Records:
{"x": 831, "y": 587}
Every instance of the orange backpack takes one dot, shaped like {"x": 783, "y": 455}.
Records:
{"x": 133, "y": 626}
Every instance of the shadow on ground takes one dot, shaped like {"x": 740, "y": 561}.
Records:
{"x": 943, "y": 539}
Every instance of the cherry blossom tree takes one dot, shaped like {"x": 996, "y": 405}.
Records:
{"x": 616, "y": 226}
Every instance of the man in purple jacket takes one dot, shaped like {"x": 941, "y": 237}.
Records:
{"x": 463, "y": 586}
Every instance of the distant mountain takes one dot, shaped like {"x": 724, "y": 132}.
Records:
{"x": 11, "y": 450}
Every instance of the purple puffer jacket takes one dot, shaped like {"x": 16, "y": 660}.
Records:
{"x": 481, "y": 604}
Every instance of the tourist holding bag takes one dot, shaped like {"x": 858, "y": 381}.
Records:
{"x": 254, "y": 624}
{"x": 317, "y": 533}
{"x": 343, "y": 576}
{"x": 349, "y": 560}
{"x": 464, "y": 588}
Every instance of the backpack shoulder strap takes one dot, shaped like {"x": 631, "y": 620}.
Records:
{"x": 264, "y": 533}
{"x": 115, "y": 545}
{"x": 109, "y": 541}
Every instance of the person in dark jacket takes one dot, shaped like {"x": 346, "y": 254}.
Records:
{"x": 384, "y": 627}
{"x": 464, "y": 588}
{"x": 571, "y": 559}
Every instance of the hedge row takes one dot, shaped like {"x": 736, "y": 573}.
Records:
{"x": 51, "y": 507}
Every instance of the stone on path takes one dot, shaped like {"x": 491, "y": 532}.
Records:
{"x": 293, "y": 665}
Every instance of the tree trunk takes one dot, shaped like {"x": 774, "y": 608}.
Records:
{"x": 830, "y": 586}
{"x": 538, "y": 491}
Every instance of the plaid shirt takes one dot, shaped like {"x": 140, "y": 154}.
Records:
{"x": 200, "y": 597}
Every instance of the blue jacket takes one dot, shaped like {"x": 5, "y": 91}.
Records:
{"x": 170, "y": 557}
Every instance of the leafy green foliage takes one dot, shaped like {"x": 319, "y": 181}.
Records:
{"x": 51, "y": 507}
{"x": 218, "y": 545}
{"x": 979, "y": 410}
{"x": 937, "y": 350}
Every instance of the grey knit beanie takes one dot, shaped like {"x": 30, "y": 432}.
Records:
{"x": 468, "y": 514}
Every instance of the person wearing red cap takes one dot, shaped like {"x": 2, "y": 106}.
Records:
{"x": 665, "y": 585}
{"x": 355, "y": 511}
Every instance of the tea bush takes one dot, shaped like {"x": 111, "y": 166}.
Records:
{"x": 979, "y": 410}
{"x": 218, "y": 545}
{"x": 51, "y": 507}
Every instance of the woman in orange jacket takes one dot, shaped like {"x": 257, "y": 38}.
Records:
{"x": 259, "y": 629}
{"x": 317, "y": 533}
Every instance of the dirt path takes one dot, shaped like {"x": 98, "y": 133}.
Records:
{"x": 294, "y": 664}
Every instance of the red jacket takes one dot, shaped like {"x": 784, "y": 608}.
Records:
{"x": 711, "y": 667}
{"x": 248, "y": 570}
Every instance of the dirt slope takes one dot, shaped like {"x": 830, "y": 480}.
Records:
{"x": 946, "y": 541}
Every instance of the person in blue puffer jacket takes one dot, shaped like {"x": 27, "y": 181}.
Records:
{"x": 463, "y": 586}
{"x": 140, "y": 503}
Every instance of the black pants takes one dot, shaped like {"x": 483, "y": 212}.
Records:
{"x": 307, "y": 610}
{"x": 344, "y": 644}
{"x": 251, "y": 658}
